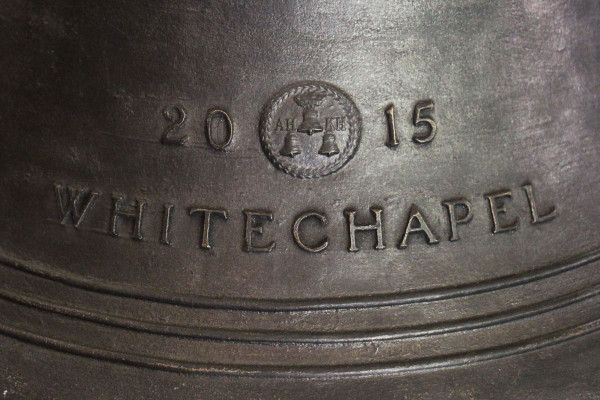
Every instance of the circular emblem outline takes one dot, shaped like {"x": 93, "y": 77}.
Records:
{"x": 286, "y": 164}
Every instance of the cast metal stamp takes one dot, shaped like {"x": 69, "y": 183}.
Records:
{"x": 310, "y": 129}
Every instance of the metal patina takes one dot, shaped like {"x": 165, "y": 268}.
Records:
{"x": 312, "y": 200}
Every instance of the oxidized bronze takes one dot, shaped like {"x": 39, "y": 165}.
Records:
{"x": 300, "y": 200}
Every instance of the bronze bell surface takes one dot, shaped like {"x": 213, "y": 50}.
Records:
{"x": 300, "y": 200}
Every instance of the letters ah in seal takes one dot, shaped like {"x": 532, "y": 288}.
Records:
{"x": 310, "y": 129}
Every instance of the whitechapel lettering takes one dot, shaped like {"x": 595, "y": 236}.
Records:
{"x": 128, "y": 217}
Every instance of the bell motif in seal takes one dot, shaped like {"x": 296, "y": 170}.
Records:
{"x": 310, "y": 130}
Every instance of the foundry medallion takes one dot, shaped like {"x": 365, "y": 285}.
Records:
{"x": 310, "y": 129}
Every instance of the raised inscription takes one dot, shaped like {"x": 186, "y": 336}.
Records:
{"x": 75, "y": 203}
{"x": 175, "y": 134}
{"x": 422, "y": 119}
{"x": 308, "y": 129}
{"x": 177, "y": 115}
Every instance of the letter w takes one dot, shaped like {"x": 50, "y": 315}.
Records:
{"x": 73, "y": 202}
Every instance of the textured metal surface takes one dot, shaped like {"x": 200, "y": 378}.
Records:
{"x": 300, "y": 200}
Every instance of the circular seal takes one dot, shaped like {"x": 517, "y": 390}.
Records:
{"x": 310, "y": 129}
